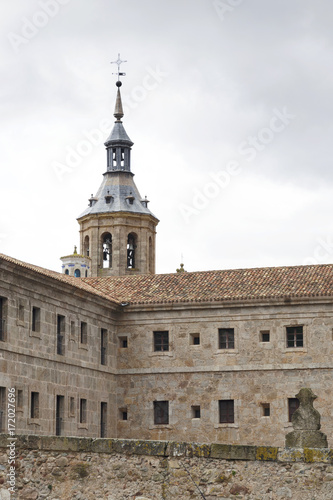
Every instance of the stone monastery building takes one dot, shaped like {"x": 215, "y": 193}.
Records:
{"x": 108, "y": 348}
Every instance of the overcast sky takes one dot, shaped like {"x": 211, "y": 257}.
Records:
{"x": 229, "y": 106}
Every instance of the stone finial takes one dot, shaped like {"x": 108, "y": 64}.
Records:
{"x": 306, "y": 423}
{"x": 306, "y": 417}
{"x": 118, "y": 110}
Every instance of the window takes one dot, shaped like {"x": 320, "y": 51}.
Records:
{"x": 86, "y": 246}
{"x": 60, "y": 403}
{"x": 83, "y": 411}
{"x": 123, "y": 415}
{"x": 35, "y": 319}
{"x": 3, "y": 402}
{"x": 104, "y": 335}
{"x": 195, "y": 410}
{"x": 226, "y": 338}
{"x": 34, "y": 407}
{"x": 123, "y": 342}
{"x": 77, "y": 273}
{"x": 161, "y": 412}
{"x": 294, "y": 336}
{"x": 226, "y": 410}
{"x": 103, "y": 419}
{"x": 60, "y": 334}
{"x": 293, "y": 404}
{"x": 66, "y": 271}
{"x": 84, "y": 333}
{"x": 264, "y": 336}
{"x": 2, "y": 320}
{"x": 195, "y": 338}
{"x": 131, "y": 247}
{"x": 107, "y": 250}
{"x": 265, "y": 410}
{"x": 161, "y": 341}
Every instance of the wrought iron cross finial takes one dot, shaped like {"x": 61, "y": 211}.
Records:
{"x": 118, "y": 62}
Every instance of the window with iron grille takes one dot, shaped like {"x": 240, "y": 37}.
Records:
{"x": 294, "y": 336}
{"x": 60, "y": 334}
{"x": 226, "y": 338}
{"x": 34, "y": 407}
{"x": 293, "y": 404}
{"x": 161, "y": 341}
{"x": 35, "y": 319}
{"x": 161, "y": 412}
{"x": 83, "y": 411}
{"x": 104, "y": 335}
{"x": 84, "y": 333}
{"x": 226, "y": 410}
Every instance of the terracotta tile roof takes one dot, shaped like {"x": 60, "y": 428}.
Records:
{"x": 77, "y": 282}
{"x": 233, "y": 284}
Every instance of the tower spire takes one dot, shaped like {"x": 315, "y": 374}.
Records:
{"x": 118, "y": 109}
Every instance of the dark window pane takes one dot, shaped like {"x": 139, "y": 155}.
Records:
{"x": 161, "y": 412}
{"x": 161, "y": 341}
{"x": 226, "y": 338}
{"x": 226, "y": 407}
{"x": 293, "y": 404}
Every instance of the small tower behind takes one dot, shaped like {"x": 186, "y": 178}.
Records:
{"x": 117, "y": 230}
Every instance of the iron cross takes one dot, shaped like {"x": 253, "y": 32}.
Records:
{"x": 118, "y": 62}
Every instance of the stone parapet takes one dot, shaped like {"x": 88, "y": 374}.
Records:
{"x": 171, "y": 449}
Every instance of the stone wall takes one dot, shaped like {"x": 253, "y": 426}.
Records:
{"x": 101, "y": 469}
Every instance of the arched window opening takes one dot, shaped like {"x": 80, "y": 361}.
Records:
{"x": 77, "y": 273}
{"x": 151, "y": 258}
{"x": 131, "y": 247}
{"x": 107, "y": 250}
{"x": 122, "y": 158}
{"x": 66, "y": 271}
{"x": 86, "y": 246}
{"x": 114, "y": 158}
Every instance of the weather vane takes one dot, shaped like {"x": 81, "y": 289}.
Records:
{"x": 118, "y": 62}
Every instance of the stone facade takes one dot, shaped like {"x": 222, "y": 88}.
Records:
{"x": 81, "y": 469}
{"x": 192, "y": 376}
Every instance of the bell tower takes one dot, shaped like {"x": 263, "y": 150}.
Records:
{"x": 117, "y": 230}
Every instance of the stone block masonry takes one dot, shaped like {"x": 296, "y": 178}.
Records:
{"x": 59, "y": 468}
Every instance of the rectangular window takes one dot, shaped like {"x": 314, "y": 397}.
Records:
{"x": 83, "y": 411}
{"x": 3, "y": 402}
{"x": 161, "y": 412}
{"x": 293, "y": 404}
{"x": 226, "y": 338}
{"x": 84, "y": 333}
{"x": 35, "y": 319}
{"x": 34, "y": 407}
{"x": 123, "y": 342}
{"x": 265, "y": 409}
{"x": 104, "y": 335}
{"x": 226, "y": 409}
{"x": 2, "y": 319}
{"x": 60, "y": 403}
{"x": 161, "y": 341}
{"x": 195, "y": 338}
{"x": 104, "y": 410}
{"x": 294, "y": 336}
{"x": 60, "y": 334}
{"x": 264, "y": 336}
{"x": 195, "y": 410}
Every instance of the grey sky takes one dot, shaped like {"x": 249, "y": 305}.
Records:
{"x": 208, "y": 83}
